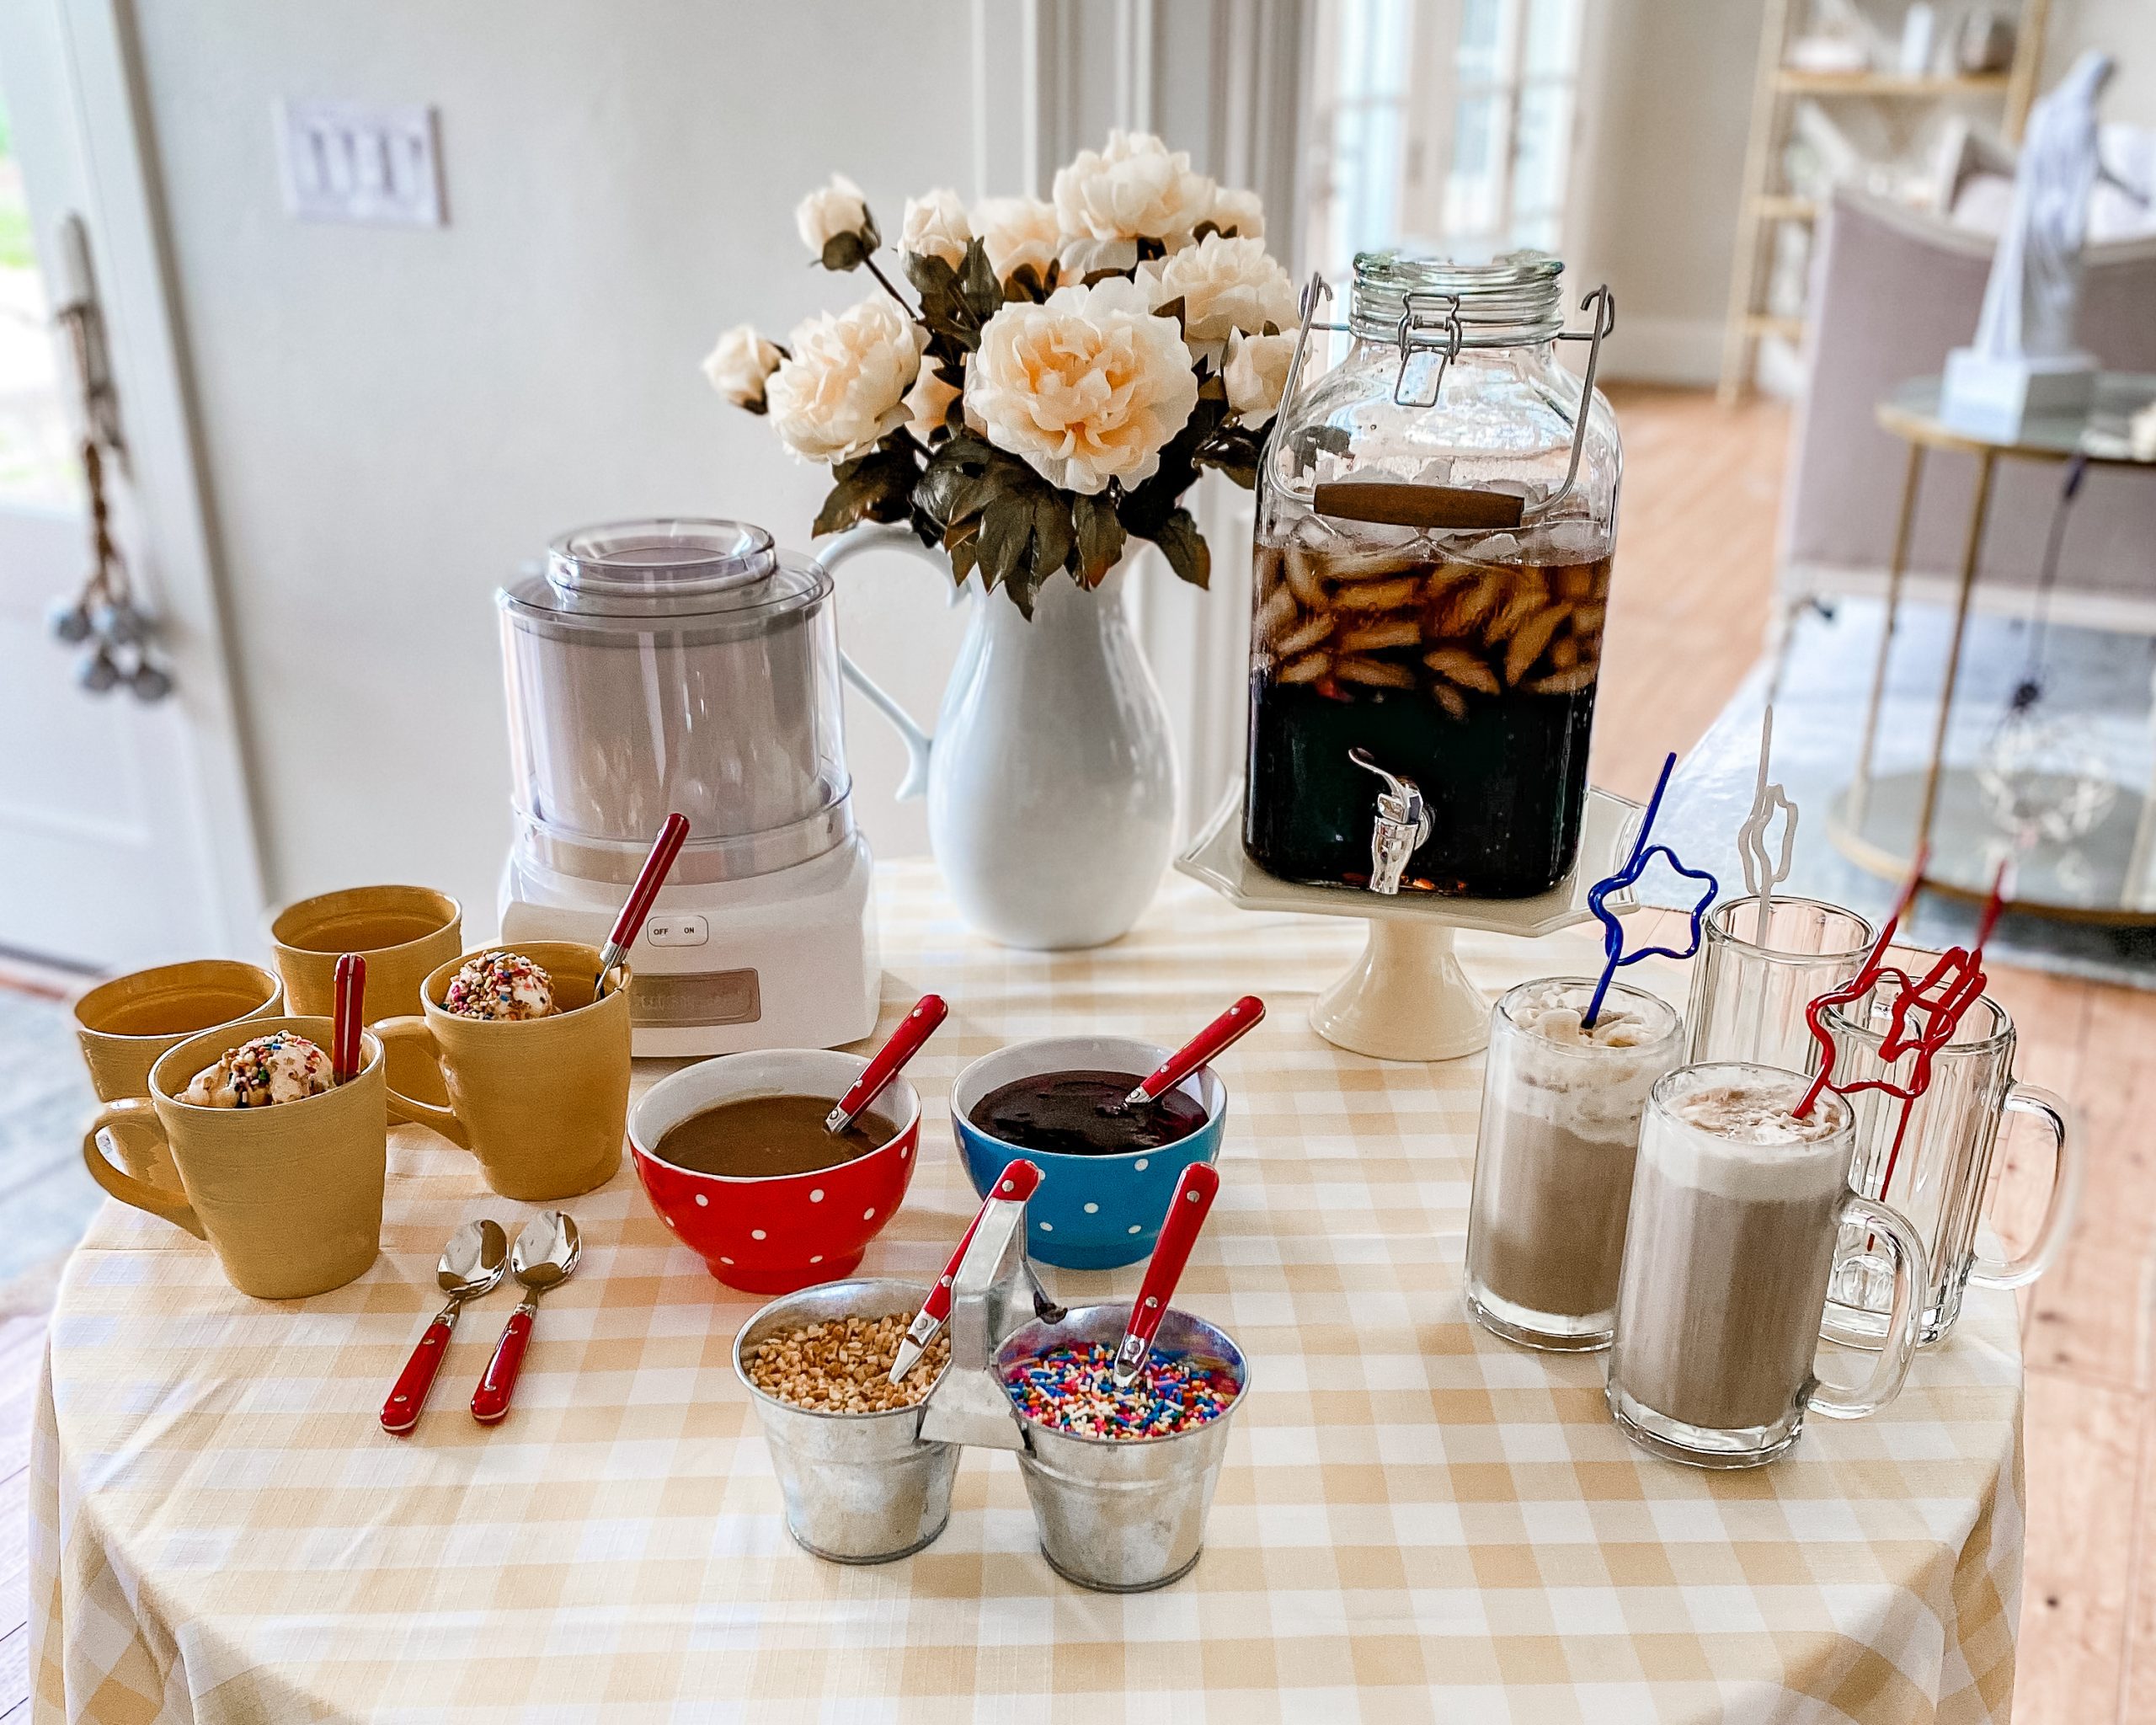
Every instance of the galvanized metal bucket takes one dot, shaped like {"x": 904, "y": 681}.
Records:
{"x": 859, "y": 1487}
{"x": 1122, "y": 1515}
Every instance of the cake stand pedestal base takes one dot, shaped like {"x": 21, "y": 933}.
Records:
{"x": 1406, "y": 998}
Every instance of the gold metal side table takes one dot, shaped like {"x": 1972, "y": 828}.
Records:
{"x": 1880, "y": 822}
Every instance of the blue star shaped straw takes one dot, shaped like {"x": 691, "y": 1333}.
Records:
{"x": 1613, "y": 929}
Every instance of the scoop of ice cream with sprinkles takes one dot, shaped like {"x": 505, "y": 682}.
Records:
{"x": 506, "y": 987}
{"x": 278, "y": 1067}
{"x": 1071, "y": 1388}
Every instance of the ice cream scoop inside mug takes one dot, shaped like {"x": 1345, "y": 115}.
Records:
{"x": 286, "y": 1190}
{"x": 542, "y": 1100}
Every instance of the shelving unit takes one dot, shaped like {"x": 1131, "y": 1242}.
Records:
{"x": 1777, "y": 88}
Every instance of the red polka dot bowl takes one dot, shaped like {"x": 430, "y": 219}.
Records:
{"x": 773, "y": 1234}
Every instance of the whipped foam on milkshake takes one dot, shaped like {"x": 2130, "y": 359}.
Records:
{"x": 1741, "y": 1136}
{"x": 1591, "y": 1082}
{"x": 1752, "y": 1114}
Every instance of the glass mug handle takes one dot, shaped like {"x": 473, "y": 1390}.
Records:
{"x": 1912, "y": 1277}
{"x": 2066, "y": 1170}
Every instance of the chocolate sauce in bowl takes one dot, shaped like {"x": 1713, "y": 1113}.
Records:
{"x": 1083, "y": 1113}
{"x": 761, "y": 1136}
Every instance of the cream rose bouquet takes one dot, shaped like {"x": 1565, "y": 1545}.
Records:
{"x": 1064, "y": 370}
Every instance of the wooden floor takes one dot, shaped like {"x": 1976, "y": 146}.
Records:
{"x": 1691, "y": 597}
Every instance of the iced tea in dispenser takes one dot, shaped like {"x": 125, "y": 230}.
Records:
{"x": 1436, "y": 518}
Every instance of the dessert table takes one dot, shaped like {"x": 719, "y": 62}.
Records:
{"x": 1415, "y": 1521}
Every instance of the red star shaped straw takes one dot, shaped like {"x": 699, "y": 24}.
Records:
{"x": 1954, "y": 983}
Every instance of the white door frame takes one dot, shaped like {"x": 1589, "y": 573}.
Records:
{"x": 172, "y": 554}
{"x": 1225, "y": 82}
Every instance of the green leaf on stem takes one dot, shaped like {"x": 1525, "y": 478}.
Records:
{"x": 1100, "y": 537}
{"x": 977, "y": 282}
{"x": 850, "y": 250}
{"x": 1184, "y": 547}
{"x": 875, "y": 487}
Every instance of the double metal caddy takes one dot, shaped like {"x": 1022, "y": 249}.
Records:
{"x": 1118, "y": 1515}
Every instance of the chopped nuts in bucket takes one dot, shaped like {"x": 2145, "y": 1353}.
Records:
{"x": 843, "y": 1365}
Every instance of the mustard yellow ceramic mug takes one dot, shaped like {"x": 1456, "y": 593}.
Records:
{"x": 124, "y": 1025}
{"x": 542, "y": 1102}
{"x": 288, "y": 1196}
{"x": 401, "y": 932}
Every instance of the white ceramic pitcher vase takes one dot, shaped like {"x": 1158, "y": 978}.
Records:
{"x": 1050, "y": 779}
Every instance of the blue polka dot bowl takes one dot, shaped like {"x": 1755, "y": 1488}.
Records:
{"x": 1091, "y": 1212}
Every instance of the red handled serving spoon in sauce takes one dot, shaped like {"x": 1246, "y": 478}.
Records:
{"x": 1222, "y": 1033}
{"x": 653, "y": 876}
{"x": 546, "y": 1252}
{"x": 914, "y": 1029}
{"x": 1018, "y": 1181}
{"x": 1187, "y": 1212}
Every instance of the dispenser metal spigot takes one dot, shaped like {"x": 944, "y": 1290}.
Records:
{"x": 1401, "y": 828}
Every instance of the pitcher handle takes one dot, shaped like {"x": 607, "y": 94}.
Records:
{"x": 886, "y": 535}
{"x": 1912, "y": 1277}
{"x": 410, "y": 1109}
{"x": 128, "y": 1113}
{"x": 2066, "y": 1170}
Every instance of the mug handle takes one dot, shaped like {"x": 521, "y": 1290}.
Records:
{"x": 2066, "y": 1170}
{"x": 1911, "y": 1276}
{"x": 410, "y": 1109}
{"x": 124, "y": 1114}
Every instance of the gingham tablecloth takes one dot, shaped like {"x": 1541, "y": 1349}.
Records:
{"x": 1416, "y": 1521}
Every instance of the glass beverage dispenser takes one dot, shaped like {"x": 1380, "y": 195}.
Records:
{"x": 1435, "y": 525}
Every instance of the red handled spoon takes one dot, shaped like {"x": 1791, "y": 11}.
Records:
{"x": 473, "y": 1263}
{"x": 1223, "y": 1033}
{"x": 663, "y": 850}
{"x": 348, "y": 1018}
{"x": 1018, "y": 1182}
{"x": 547, "y": 1251}
{"x": 914, "y": 1029}
{"x": 1187, "y": 1212}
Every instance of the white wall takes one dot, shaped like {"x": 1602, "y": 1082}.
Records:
{"x": 1663, "y": 143}
{"x": 393, "y": 418}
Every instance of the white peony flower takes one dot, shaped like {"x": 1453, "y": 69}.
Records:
{"x": 1087, "y": 387}
{"x": 1255, "y": 374}
{"x": 1135, "y": 189}
{"x": 831, "y": 211}
{"x": 738, "y": 366}
{"x": 1225, "y": 285}
{"x": 928, "y": 400}
{"x": 1016, "y": 231}
{"x": 935, "y": 227}
{"x": 1242, "y": 214}
{"x": 740, "y": 363}
{"x": 1081, "y": 257}
{"x": 844, "y": 384}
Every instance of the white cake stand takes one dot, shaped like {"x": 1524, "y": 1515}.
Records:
{"x": 1406, "y": 998}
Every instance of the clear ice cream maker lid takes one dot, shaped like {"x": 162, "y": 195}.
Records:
{"x": 626, "y": 577}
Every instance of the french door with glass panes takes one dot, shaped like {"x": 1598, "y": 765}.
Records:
{"x": 1445, "y": 125}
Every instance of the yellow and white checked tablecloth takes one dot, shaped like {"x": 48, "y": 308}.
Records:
{"x": 1416, "y": 1521}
